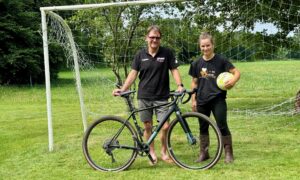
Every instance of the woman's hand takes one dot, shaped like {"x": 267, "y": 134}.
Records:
{"x": 194, "y": 106}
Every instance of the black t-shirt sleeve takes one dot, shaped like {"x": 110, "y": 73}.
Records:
{"x": 172, "y": 62}
{"x": 193, "y": 70}
{"x": 228, "y": 65}
{"x": 136, "y": 63}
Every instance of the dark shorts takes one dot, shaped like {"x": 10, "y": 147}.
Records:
{"x": 148, "y": 114}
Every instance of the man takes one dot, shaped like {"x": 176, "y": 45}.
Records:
{"x": 152, "y": 65}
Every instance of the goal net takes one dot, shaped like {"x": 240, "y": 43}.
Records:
{"x": 99, "y": 41}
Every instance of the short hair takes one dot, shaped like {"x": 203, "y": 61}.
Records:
{"x": 154, "y": 28}
{"x": 207, "y": 35}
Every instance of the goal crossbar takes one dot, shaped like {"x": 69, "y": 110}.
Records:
{"x": 94, "y": 6}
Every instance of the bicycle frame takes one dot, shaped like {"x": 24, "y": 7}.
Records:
{"x": 173, "y": 108}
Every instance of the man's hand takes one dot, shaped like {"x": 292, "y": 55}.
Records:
{"x": 116, "y": 92}
{"x": 180, "y": 89}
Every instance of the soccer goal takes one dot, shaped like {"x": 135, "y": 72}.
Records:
{"x": 99, "y": 41}
{"x": 103, "y": 35}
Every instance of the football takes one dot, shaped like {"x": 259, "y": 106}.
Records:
{"x": 222, "y": 78}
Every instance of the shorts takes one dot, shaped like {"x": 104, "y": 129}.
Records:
{"x": 146, "y": 115}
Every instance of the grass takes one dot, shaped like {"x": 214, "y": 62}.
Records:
{"x": 265, "y": 146}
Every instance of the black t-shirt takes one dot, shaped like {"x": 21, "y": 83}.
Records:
{"x": 207, "y": 73}
{"x": 154, "y": 73}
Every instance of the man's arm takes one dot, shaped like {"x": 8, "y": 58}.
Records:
{"x": 128, "y": 82}
{"x": 177, "y": 78}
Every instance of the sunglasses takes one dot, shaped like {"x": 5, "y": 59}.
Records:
{"x": 154, "y": 37}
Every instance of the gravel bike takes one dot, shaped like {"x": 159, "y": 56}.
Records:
{"x": 112, "y": 143}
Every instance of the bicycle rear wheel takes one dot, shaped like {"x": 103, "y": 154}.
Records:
{"x": 109, "y": 144}
{"x": 186, "y": 154}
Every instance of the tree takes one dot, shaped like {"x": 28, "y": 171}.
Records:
{"x": 18, "y": 57}
{"x": 21, "y": 53}
{"x": 120, "y": 29}
{"x": 234, "y": 16}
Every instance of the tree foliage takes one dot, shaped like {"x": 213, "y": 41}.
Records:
{"x": 113, "y": 35}
{"x": 238, "y": 18}
{"x": 21, "y": 53}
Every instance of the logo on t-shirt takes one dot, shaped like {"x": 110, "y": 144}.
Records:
{"x": 203, "y": 72}
{"x": 160, "y": 59}
{"x": 145, "y": 59}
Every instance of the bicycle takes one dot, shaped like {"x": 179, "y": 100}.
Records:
{"x": 112, "y": 144}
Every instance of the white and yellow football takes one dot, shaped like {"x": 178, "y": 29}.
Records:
{"x": 222, "y": 78}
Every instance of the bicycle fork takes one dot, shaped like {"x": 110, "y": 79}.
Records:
{"x": 191, "y": 139}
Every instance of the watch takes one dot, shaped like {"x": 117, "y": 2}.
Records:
{"x": 180, "y": 85}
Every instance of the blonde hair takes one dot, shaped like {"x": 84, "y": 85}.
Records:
{"x": 207, "y": 35}
{"x": 154, "y": 28}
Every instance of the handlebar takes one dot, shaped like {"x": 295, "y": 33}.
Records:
{"x": 182, "y": 94}
{"x": 126, "y": 93}
{"x": 173, "y": 94}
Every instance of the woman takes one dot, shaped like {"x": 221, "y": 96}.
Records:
{"x": 209, "y": 98}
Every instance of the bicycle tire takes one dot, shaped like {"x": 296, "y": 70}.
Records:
{"x": 183, "y": 153}
{"x": 98, "y": 138}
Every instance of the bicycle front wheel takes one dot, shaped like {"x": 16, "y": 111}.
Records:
{"x": 109, "y": 144}
{"x": 185, "y": 153}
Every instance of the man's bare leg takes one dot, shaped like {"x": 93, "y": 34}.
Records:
{"x": 163, "y": 136}
{"x": 147, "y": 134}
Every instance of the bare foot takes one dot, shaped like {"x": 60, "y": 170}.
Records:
{"x": 154, "y": 157}
{"x": 165, "y": 157}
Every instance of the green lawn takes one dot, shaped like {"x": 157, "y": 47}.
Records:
{"x": 266, "y": 146}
